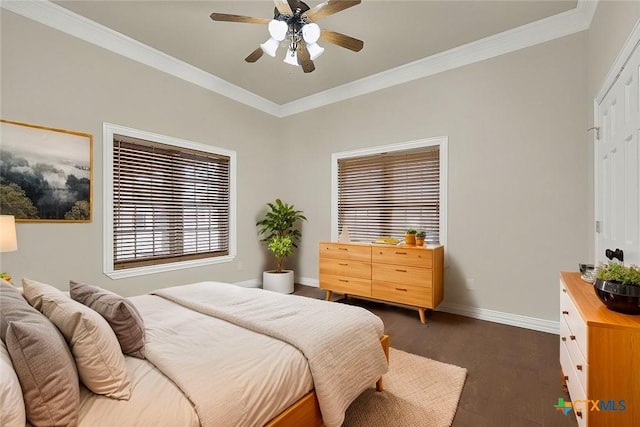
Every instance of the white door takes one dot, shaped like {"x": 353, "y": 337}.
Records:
{"x": 617, "y": 154}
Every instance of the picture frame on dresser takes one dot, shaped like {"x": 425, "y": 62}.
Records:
{"x": 46, "y": 173}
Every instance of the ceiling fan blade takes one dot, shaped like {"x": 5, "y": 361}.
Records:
{"x": 294, "y": 4}
{"x": 303, "y": 57}
{"x": 238, "y": 18}
{"x": 283, "y": 7}
{"x": 342, "y": 40}
{"x": 255, "y": 55}
{"x": 329, "y": 8}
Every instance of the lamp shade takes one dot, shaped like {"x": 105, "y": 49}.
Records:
{"x": 291, "y": 58}
{"x": 315, "y": 50}
{"x": 270, "y": 46}
{"x": 8, "y": 240}
{"x": 278, "y": 29}
{"x": 311, "y": 33}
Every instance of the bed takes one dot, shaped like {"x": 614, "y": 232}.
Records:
{"x": 218, "y": 354}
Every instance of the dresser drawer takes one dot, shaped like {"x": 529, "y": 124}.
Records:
{"x": 405, "y": 294}
{"x": 345, "y": 252}
{"x": 579, "y": 364}
{"x": 576, "y": 324}
{"x": 576, "y": 392}
{"x": 402, "y": 256}
{"x": 346, "y": 285}
{"x": 340, "y": 267}
{"x": 402, "y": 274}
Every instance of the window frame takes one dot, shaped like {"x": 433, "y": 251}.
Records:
{"x": 440, "y": 141}
{"x": 109, "y": 130}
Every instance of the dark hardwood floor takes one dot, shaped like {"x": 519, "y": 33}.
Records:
{"x": 513, "y": 374}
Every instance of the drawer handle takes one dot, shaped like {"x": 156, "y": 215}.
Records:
{"x": 563, "y": 338}
{"x": 401, "y": 289}
{"x": 400, "y": 253}
{"x": 579, "y": 367}
{"x": 564, "y": 290}
{"x": 343, "y": 249}
{"x": 401, "y": 271}
{"x": 579, "y": 414}
{"x": 343, "y": 280}
{"x": 565, "y": 312}
{"x": 343, "y": 264}
{"x": 572, "y": 337}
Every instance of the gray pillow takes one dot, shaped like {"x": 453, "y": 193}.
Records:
{"x": 120, "y": 313}
{"x": 94, "y": 346}
{"x": 42, "y": 361}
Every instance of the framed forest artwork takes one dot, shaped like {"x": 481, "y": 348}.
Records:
{"x": 45, "y": 173}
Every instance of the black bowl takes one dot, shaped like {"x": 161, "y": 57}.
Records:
{"x": 618, "y": 297}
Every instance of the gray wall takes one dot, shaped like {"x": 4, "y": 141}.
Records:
{"x": 52, "y": 79}
{"x": 519, "y": 170}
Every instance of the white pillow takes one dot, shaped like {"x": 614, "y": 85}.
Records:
{"x": 12, "y": 411}
{"x": 95, "y": 348}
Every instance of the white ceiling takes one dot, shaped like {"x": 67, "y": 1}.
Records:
{"x": 402, "y": 40}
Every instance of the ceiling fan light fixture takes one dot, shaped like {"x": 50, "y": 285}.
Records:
{"x": 270, "y": 47}
{"x": 278, "y": 29}
{"x": 311, "y": 33}
{"x": 315, "y": 50}
{"x": 291, "y": 58}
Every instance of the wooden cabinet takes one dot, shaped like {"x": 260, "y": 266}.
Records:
{"x": 599, "y": 356}
{"x": 402, "y": 274}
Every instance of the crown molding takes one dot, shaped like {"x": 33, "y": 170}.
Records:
{"x": 59, "y": 18}
{"x": 544, "y": 30}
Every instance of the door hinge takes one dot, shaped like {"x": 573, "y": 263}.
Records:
{"x": 597, "y": 129}
{"x": 597, "y": 226}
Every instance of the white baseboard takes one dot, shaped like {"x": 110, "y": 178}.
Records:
{"x": 542, "y": 325}
{"x": 510, "y": 319}
{"x": 307, "y": 281}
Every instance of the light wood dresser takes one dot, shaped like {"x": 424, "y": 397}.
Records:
{"x": 402, "y": 274}
{"x": 600, "y": 357}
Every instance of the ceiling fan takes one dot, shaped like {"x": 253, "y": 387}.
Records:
{"x": 293, "y": 22}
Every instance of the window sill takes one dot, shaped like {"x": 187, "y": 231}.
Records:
{"x": 161, "y": 268}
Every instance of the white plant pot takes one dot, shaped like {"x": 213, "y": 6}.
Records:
{"x": 278, "y": 282}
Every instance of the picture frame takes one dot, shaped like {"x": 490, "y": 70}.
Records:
{"x": 46, "y": 174}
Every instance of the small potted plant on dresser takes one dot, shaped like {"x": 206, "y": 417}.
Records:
{"x": 410, "y": 236}
{"x": 278, "y": 228}
{"x": 618, "y": 287}
{"x": 420, "y": 235}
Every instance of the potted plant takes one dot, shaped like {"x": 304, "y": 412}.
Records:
{"x": 410, "y": 236}
{"x": 420, "y": 235}
{"x": 618, "y": 287}
{"x": 279, "y": 232}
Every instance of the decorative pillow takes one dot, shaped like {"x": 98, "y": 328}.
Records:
{"x": 119, "y": 312}
{"x": 41, "y": 360}
{"x": 12, "y": 412}
{"x": 94, "y": 345}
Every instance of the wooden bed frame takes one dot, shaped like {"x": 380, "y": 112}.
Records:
{"x": 306, "y": 411}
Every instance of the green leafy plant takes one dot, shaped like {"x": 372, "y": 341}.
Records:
{"x": 411, "y": 231}
{"x": 282, "y": 247}
{"x": 614, "y": 272}
{"x": 279, "y": 221}
{"x": 421, "y": 234}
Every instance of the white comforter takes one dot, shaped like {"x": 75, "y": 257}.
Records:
{"x": 340, "y": 342}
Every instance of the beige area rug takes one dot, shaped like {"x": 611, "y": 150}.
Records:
{"x": 417, "y": 392}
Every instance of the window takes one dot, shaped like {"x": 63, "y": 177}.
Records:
{"x": 383, "y": 191}
{"x": 169, "y": 203}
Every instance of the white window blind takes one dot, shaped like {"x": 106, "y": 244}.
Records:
{"x": 170, "y": 203}
{"x": 381, "y": 195}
